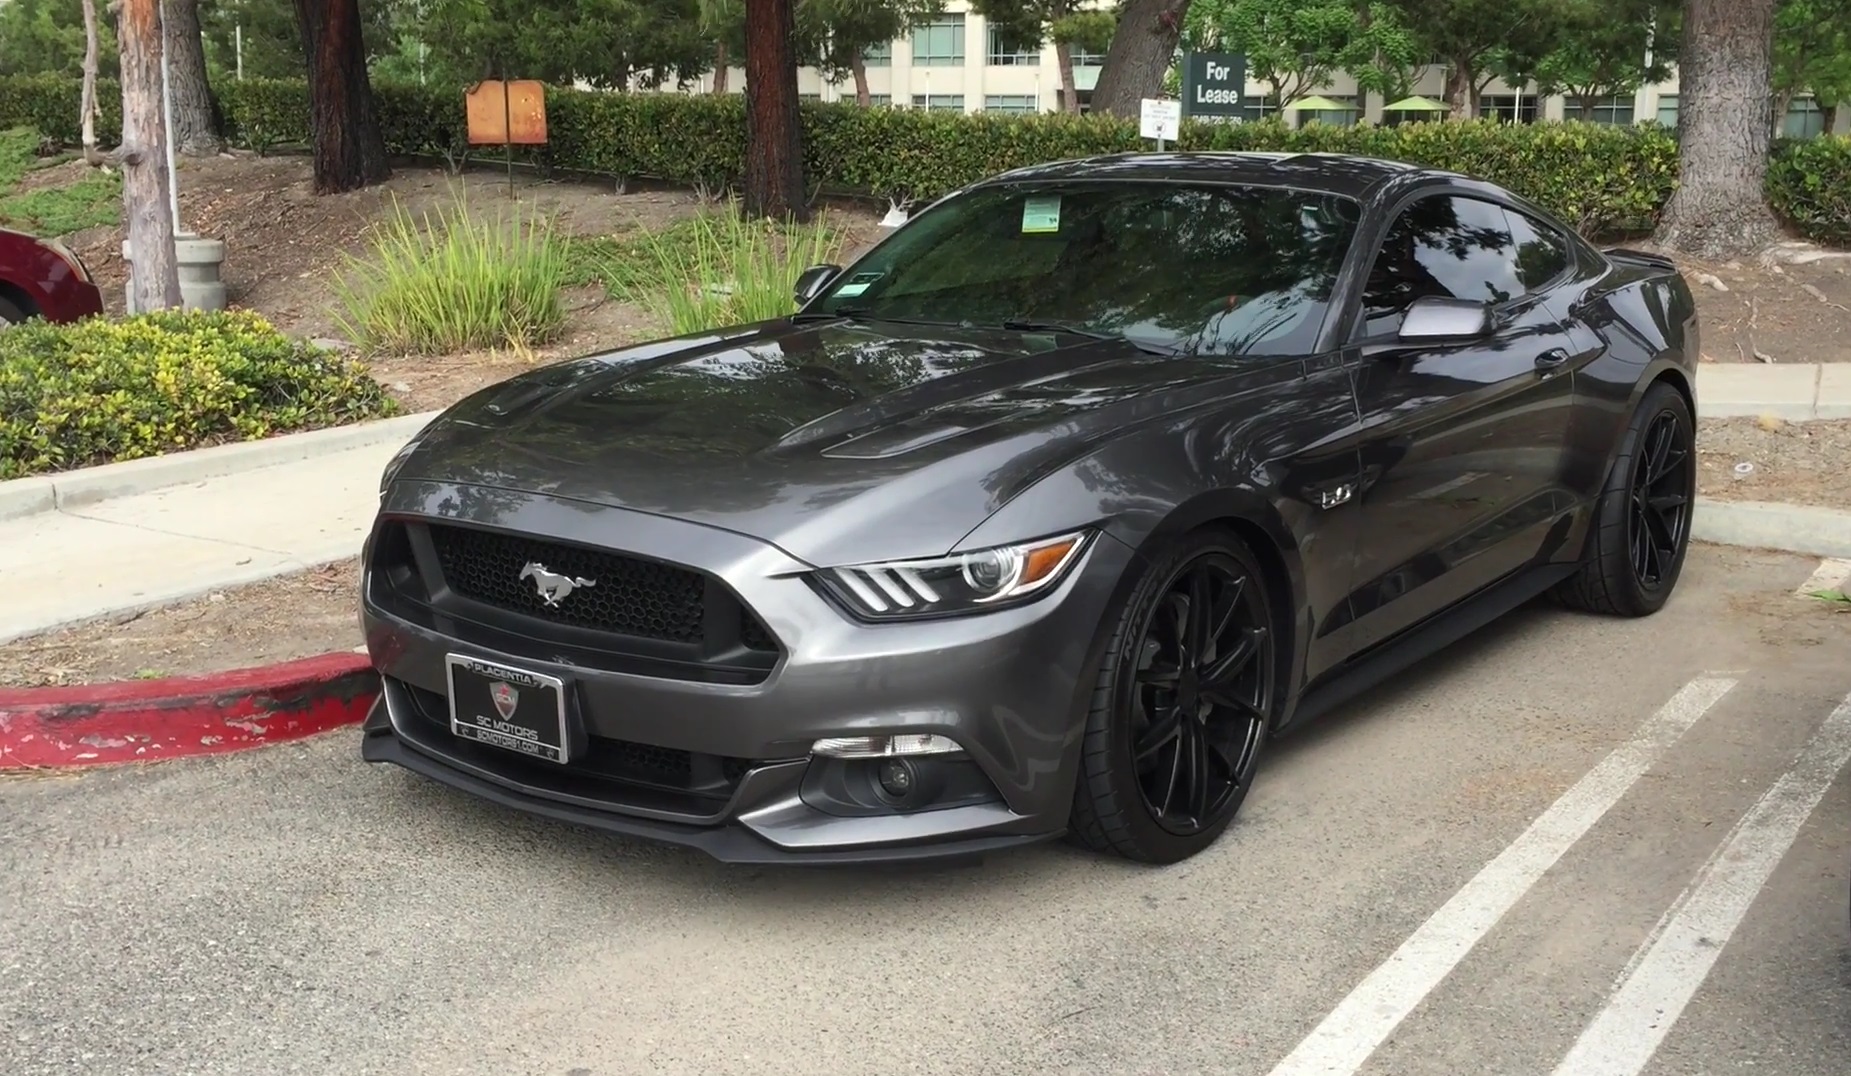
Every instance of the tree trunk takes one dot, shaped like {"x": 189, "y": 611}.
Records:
{"x": 1777, "y": 112}
{"x": 1829, "y": 113}
{"x": 1459, "y": 91}
{"x": 350, "y": 150}
{"x": 154, "y": 283}
{"x": 196, "y": 129}
{"x": 1720, "y": 206}
{"x": 860, "y": 69}
{"x": 1063, "y": 60}
{"x": 1141, "y": 51}
{"x": 774, "y": 137}
{"x": 721, "y": 61}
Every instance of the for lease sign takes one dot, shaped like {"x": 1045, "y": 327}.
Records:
{"x": 1213, "y": 83}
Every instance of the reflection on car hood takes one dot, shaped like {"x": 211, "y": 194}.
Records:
{"x": 807, "y": 435}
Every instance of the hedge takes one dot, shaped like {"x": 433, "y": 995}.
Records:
{"x": 1604, "y": 179}
{"x": 100, "y": 390}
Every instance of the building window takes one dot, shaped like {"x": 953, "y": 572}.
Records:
{"x": 1256, "y": 107}
{"x": 1667, "y": 109}
{"x": 1805, "y": 119}
{"x": 1507, "y": 108}
{"x": 1613, "y": 111}
{"x": 1084, "y": 97}
{"x": 939, "y": 43}
{"x": 939, "y": 102}
{"x": 880, "y": 55}
{"x": 880, "y": 100}
{"x": 1344, "y": 117}
{"x": 1019, "y": 103}
{"x": 1083, "y": 58}
{"x": 1006, "y": 53}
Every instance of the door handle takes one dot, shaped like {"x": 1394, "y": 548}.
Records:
{"x": 1552, "y": 358}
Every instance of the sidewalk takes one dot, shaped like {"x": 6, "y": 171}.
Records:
{"x": 127, "y": 552}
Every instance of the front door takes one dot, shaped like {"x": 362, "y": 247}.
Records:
{"x": 1463, "y": 443}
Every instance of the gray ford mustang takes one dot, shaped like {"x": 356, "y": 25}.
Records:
{"x": 1038, "y": 519}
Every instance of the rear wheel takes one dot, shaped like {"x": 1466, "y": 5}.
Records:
{"x": 10, "y": 313}
{"x": 1642, "y": 522}
{"x": 1183, "y": 702}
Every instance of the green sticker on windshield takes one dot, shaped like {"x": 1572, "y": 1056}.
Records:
{"x": 1041, "y": 214}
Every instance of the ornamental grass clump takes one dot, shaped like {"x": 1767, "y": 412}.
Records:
{"x": 449, "y": 281}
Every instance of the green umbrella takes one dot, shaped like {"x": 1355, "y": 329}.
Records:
{"x": 1315, "y": 103}
{"x": 1416, "y": 104}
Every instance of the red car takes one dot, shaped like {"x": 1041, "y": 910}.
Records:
{"x": 42, "y": 277}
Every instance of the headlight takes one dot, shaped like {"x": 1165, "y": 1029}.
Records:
{"x": 961, "y": 583}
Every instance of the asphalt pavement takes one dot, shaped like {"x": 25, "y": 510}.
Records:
{"x": 1571, "y": 847}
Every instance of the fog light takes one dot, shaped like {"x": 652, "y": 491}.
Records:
{"x": 897, "y": 778}
{"x": 911, "y": 743}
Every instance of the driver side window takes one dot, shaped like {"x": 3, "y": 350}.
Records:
{"x": 1443, "y": 245}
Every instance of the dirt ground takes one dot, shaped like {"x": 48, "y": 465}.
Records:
{"x": 284, "y": 246}
{"x": 1795, "y": 462}
{"x": 293, "y": 616}
{"x": 1773, "y": 309}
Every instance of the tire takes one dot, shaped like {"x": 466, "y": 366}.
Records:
{"x": 1113, "y": 811}
{"x": 1610, "y": 581}
{"x": 10, "y": 313}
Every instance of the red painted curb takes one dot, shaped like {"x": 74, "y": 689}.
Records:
{"x": 139, "y": 721}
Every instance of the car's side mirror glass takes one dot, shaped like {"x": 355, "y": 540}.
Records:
{"x": 812, "y": 281}
{"x": 1439, "y": 318}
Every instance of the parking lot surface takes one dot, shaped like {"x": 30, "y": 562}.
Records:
{"x": 1569, "y": 846}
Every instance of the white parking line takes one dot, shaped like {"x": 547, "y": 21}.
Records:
{"x": 1623, "y": 1037}
{"x": 1372, "y": 1011}
{"x": 1830, "y": 575}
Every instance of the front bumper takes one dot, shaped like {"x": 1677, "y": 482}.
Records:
{"x": 1005, "y": 685}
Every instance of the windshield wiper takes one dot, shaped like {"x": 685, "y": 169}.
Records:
{"x": 1027, "y": 325}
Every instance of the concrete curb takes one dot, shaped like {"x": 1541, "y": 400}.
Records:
{"x": 1791, "y": 528}
{"x": 141, "y": 721}
{"x": 88, "y": 485}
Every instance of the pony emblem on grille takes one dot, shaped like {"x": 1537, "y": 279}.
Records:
{"x": 552, "y": 587}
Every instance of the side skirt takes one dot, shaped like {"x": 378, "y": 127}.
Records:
{"x": 1428, "y": 638}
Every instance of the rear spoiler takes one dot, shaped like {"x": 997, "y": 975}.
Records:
{"x": 1641, "y": 258}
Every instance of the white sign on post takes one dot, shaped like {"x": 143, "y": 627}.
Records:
{"x": 1160, "y": 119}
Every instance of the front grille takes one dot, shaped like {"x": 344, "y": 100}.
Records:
{"x": 625, "y": 596}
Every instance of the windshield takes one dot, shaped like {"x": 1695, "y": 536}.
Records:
{"x": 1209, "y": 270}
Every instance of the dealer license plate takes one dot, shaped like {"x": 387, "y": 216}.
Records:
{"x": 512, "y": 709}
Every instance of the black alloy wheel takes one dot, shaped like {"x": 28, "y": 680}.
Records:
{"x": 1184, "y": 706}
{"x": 1658, "y": 523}
{"x": 1640, "y": 533}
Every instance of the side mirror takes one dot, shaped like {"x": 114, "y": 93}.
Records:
{"x": 812, "y": 281}
{"x": 1439, "y": 318}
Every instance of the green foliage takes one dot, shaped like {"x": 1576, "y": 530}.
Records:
{"x": 94, "y": 200}
{"x": 46, "y": 37}
{"x": 1809, "y": 184}
{"x": 452, "y": 282}
{"x": 1602, "y": 178}
{"x": 1812, "y": 49}
{"x": 718, "y": 269}
{"x": 100, "y": 390}
{"x": 1600, "y": 50}
{"x": 1295, "y": 46}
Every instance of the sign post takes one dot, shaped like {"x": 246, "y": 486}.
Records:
{"x": 1214, "y": 84}
{"x": 1160, "y": 119}
{"x": 507, "y": 114}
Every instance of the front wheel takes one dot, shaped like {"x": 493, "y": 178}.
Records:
{"x": 1642, "y": 521}
{"x": 1184, "y": 700}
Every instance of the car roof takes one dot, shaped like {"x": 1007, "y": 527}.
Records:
{"x": 1348, "y": 175}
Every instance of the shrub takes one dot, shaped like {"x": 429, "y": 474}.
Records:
{"x": 1809, "y": 184}
{"x": 1602, "y": 178}
{"x": 100, "y": 390}
{"x": 456, "y": 283}
{"x": 718, "y": 269}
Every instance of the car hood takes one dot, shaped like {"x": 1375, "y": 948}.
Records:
{"x": 835, "y": 441}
